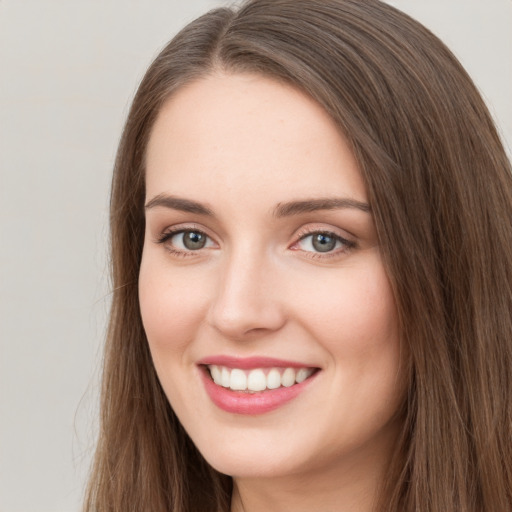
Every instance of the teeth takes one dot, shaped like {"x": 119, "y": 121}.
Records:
{"x": 302, "y": 375}
{"x": 238, "y": 381}
{"x": 216, "y": 375}
{"x": 288, "y": 377}
{"x": 273, "y": 379}
{"x": 258, "y": 379}
{"x": 225, "y": 377}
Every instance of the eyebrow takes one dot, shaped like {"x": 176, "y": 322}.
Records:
{"x": 313, "y": 205}
{"x": 178, "y": 203}
{"x": 281, "y": 210}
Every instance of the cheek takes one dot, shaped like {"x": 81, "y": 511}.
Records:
{"x": 355, "y": 321}
{"x": 172, "y": 308}
{"x": 353, "y": 314}
{"x": 171, "y": 305}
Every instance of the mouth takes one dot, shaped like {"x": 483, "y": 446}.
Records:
{"x": 254, "y": 385}
{"x": 258, "y": 379}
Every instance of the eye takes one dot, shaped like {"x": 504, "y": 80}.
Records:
{"x": 186, "y": 240}
{"x": 323, "y": 242}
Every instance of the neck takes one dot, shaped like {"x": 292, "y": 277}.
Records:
{"x": 252, "y": 497}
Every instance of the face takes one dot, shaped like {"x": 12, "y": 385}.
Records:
{"x": 268, "y": 312}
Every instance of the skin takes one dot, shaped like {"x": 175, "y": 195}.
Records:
{"x": 241, "y": 145}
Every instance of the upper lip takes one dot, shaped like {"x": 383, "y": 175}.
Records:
{"x": 248, "y": 363}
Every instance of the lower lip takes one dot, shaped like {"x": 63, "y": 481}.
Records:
{"x": 239, "y": 402}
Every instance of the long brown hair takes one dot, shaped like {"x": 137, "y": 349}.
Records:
{"x": 440, "y": 188}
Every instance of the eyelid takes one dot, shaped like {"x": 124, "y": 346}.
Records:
{"x": 168, "y": 233}
{"x": 312, "y": 228}
{"x": 347, "y": 241}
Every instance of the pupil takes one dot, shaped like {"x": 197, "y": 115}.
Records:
{"x": 193, "y": 240}
{"x": 323, "y": 243}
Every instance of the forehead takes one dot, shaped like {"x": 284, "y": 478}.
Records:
{"x": 248, "y": 132}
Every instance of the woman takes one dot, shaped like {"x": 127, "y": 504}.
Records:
{"x": 312, "y": 265}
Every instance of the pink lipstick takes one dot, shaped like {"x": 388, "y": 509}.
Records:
{"x": 254, "y": 385}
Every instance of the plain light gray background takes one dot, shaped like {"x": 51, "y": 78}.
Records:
{"x": 68, "y": 70}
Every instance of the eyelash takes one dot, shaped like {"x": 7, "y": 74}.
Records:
{"x": 347, "y": 245}
{"x": 169, "y": 234}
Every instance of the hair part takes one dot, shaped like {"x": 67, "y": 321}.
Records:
{"x": 440, "y": 190}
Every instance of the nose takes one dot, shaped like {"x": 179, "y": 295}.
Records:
{"x": 247, "y": 301}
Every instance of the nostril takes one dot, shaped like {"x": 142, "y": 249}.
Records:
{"x": 245, "y": 320}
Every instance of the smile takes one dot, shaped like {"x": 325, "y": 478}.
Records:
{"x": 257, "y": 385}
{"x": 258, "y": 379}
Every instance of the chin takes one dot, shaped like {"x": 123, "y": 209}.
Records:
{"x": 248, "y": 465}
